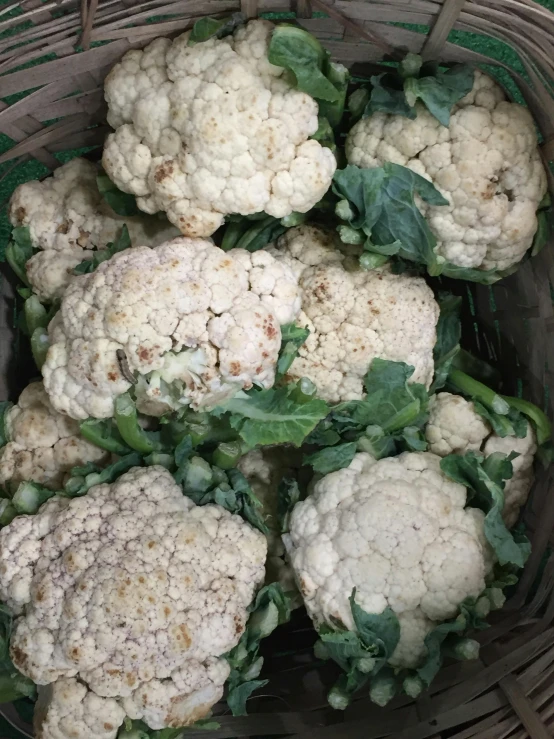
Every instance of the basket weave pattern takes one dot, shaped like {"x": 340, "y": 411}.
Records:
{"x": 59, "y": 52}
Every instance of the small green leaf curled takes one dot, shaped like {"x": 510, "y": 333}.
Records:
{"x": 331, "y": 459}
{"x": 207, "y": 28}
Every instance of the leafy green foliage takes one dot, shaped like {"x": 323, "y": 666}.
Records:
{"x": 331, "y": 458}
{"x": 204, "y": 483}
{"x": 542, "y": 234}
{"x": 397, "y": 92}
{"x": 389, "y": 419}
{"x": 83, "y": 478}
{"x": 449, "y": 332}
{"x": 5, "y": 406}
{"x": 486, "y": 477}
{"x": 207, "y": 28}
{"x": 292, "y": 338}
{"x": 382, "y": 210}
{"x": 251, "y": 233}
{"x": 288, "y": 495}
{"x": 277, "y": 416}
{"x": 120, "y": 202}
{"x": 122, "y": 242}
{"x": 13, "y": 685}
{"x": 270, "y": 609}
{"x": 126, "y": 419}
{"x": 19, "y": 251}
{"x": 104, "y": 434}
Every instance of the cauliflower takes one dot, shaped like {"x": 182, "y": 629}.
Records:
{"x": 354, "y": 316}
{"x": 455, "y": 427}
{"x": 43, "y": 445}
{"x": 133, "y": 590}
{"x": 486, "y": 163}
{"x": 66, "y": 709}
{"x": 67, "y": 219}
{"x": 197, "y": 325}
{"x": 397, "y": 531}
{"x": 264, "y": 469}
{"x": 206, "y": 130}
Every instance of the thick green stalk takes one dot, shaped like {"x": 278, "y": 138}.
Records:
{"x": 126, "y": 418}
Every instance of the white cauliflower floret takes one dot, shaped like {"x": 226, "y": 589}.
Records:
{"x": 396, "y": 530}
{"x": 211, "y": 129}
{"x": 486, "y": 163}
{"x": 43, "y": 445}
{"x": 67, "y": 219}
{"x": 68, "y": 710}
{"x": 354, "y": 316}
{"x": 134, "y": 590}
{"x": 264, "y": 469}
{"x": 455, "y": 427}
{"x": 196, "y": 323}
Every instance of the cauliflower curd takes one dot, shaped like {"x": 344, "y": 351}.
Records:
{"x": 454, "y": 426}
{"x": 355, "y": 316}
{"x": 43, "y": 445}
{"x": 68, "y": 219}
{"x": 397, "y": 531}
{"x": 210, "y": 129}
{"x": 486, "y": 163}
{"x": 195, "y": 323}
{"x": 136, "y": 591}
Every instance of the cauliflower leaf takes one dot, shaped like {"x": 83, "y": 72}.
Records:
{"x": 19, "y": 251}
{"x": 122, "y": 242}
{"x": 120, "y": 202}
{"x": 330, "y": 459}
{"x": 206, "y": 28}
{"x": 486, "y": 477}
{"x": 449, "y": 332}
{"x": 292, "y": 338}
{"x": 397, "y": 92}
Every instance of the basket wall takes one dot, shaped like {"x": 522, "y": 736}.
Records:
{"x": 53, "y": 58}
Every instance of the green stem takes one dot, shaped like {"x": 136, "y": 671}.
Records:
{"x": 476, "y": 390}
{"x": 29, "y": 497}
{"x": 227, "y": 454}
{"x": 304, "y": 391}
{"x": 543, "y": 427}
{"x": 39, "y": 346}
{"x": 7, "y": 512}
{"x": 101, "y": 433}
{"x": 233, "y": 232}
{"x": 126, "y": 418}
{"x": 5, "y": 406}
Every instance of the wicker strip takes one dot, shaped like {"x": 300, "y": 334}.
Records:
{"x": 509, "y": 693}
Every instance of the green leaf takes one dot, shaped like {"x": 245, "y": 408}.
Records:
{"x": 83, "y": 478}
{"x": 19, "y": 251}
{"x": 103, "y": 433}
{"x": 274, "y": 417}
{"x": 324, "y": 134}
{"x": 400, "y": 403}
{"x": 332, "y": 458}
{"x": 288, "y": 495}
{"x": 339, "y": 76}
{"x": 292, "y": 338}
{"x": 259, "y": 235}
{"x": 449, "y": 332}
{"x": 5, "y": 406}
{"x": 382, "y": 201}
{"x": 300, "y": 53}
{"x": 207, "y": 28}
{"x": 542, "y": 233}
{"x": 40, "y": 344}
{"x": 433, "y": 643}
{"x": 29, "y": 497}
{"x": 387, "y": 96}
{"x": 343, "y": 647}
{"x": 236, "y": 700}
{"x": 122, "y": 242}
{"x": 486, "y": 478}
{"x": 440, "y": 92}
{"x": 381, "y": 630}
{"x": 120, "y": 202}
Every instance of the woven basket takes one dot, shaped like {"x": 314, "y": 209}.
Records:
{"x": 53, "y": 59}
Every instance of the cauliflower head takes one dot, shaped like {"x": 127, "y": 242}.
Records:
{"x": 397, "y": 531}
{"x": 67, "y": 219}
{"x": 206, "y": 130}
{"x": 486, "y": 163}
{"x": 134, "y": 590}
{"x": 455, "y": 427}
{"x": 354, "y": 316}
{"x": 66, "y": 709}
{"x": 43, "y": 445}
{"x": 197, "y": 325}
{"x": 264, "y": 469}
